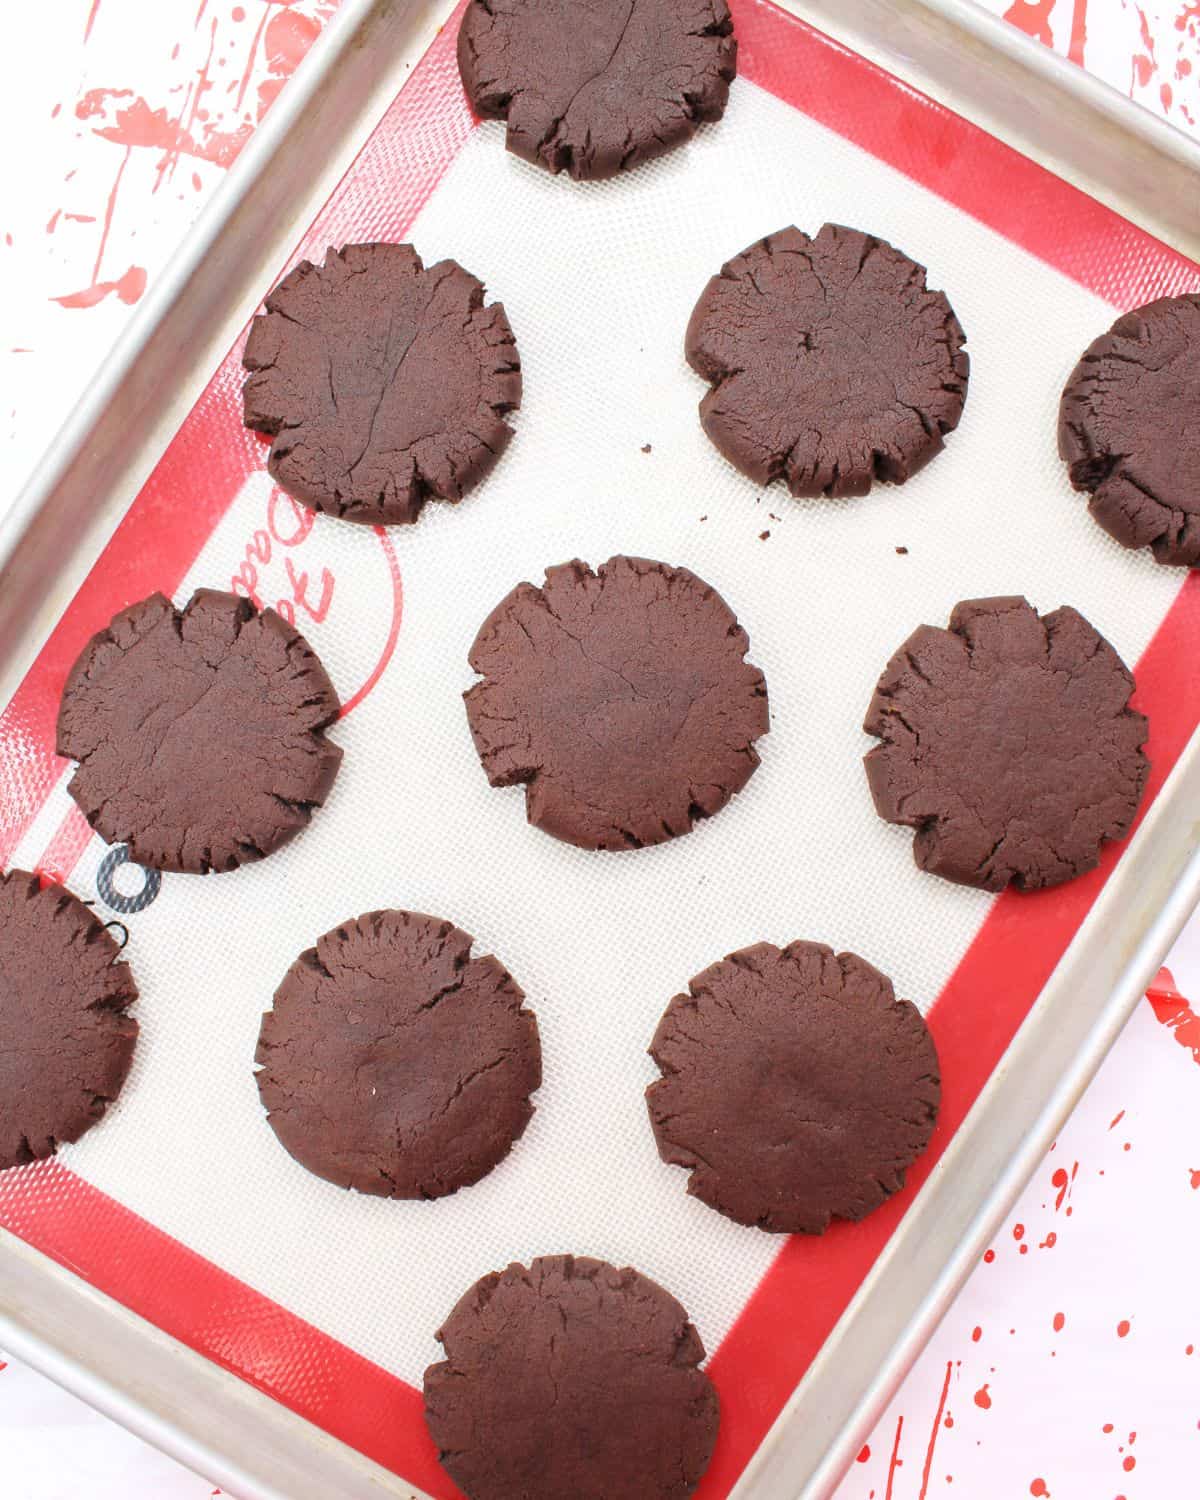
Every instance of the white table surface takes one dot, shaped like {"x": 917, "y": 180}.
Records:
{"x": 1065, "y": 1368}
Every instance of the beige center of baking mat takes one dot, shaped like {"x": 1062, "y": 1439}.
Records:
{"x": 599, "y": 282}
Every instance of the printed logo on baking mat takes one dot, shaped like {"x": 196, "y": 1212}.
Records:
{"x": 339, "y": 585}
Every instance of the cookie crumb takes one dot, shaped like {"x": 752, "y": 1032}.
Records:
{"x": 646, "y": 448}
{"x": 763, "y": 535}
{"x": 901, "y": 551}
{"x": 704, "y": 518}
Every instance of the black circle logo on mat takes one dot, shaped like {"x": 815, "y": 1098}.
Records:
{"x": 111, "y": 863}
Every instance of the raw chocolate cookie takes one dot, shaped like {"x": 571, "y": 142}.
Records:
{"x": 571, "y": 1380}
{"x": 382, "y": 382}
{"x": 1129, "y": 427}
{"x": 199, "y": 733}
{"x": 621, "y": 697}
{"x": 832, "y": 364}
{"x": 65, "y": 1041}
{"x": 394, "y": 1062}
{"x": 597, "y": 86}
{"x": 795, "y": 1087}
{"x": 1008, "y": 744}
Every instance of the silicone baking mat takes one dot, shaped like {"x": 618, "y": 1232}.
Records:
{"x": 182, "y": 1205}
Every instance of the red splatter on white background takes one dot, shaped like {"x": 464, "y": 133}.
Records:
{"x": 1147, "y": 50}
{"x": 138, "y": 110}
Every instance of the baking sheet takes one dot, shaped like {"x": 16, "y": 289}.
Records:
{"x": 598, "y": 282}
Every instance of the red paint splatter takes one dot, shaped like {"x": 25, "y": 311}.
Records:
{"x": 989, "y": 1256}
{"x": 864, "y": 1453}
{"x": 982, "y": 1399}
{"x": 1195, "y": 1177}
{"x": 3, "y": 1364}
{"x": 1122, "y": 1328}
{"x": 1059, "y": 1321}
{"x": 288, "y": 38}
{"x": 128, "y": 288}
{"x": 1049, "y": 1242}
{"x": 1189, "y": 1348}
{"x": 237, "y": 14}
{"x": 1024, "y": 1249}
{"x": 91, "y": 20}
{"x": 1108, "y": 1427}
{"x": 1018, "y": 1231}
{"x": 976, "y": 1335}
{"x": 933, "y": 1432}
{"x": 1063, "y": 1183}
{"x": 949, "y": 1420}
{"x": 244, "y": 84}
{"x": 136, "y": 124}
{"x": 1038, "y": 1487}
{"x": 1165, "y": 95}
{"x": 1174, "y": 1012}
{"x": 1078, "y": 32}
{"x": 1183, "y": 67}
{"x": 1116, "y": 1119}
{"x": 896, "y": 1461}
{"x": 53, "y": 224}
{"x": 1033, "y": 18}
{"x": 81, "y": 218}
{"x": 1143, "y": 70}
{"x": 1129, "y": 1464}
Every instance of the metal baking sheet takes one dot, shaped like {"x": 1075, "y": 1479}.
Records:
{"x": 186, "y": 1382}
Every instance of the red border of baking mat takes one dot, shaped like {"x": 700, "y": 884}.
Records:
{"x": 973, "y": 1019}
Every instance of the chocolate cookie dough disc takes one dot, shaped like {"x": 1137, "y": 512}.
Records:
{"x": 394, "y": 1062}
{"x": 1129, "y": 427}
{"x": 1008, "y": 744}
{"x": 199, "y": 733}
{"x": 831, "y": 363}
{"x": 597, "y": 86}
{"x": 65, "y": 1041}
{"x": 622, "y": 698}
{"x": 381, "y": 381}
{"x": 571, "y": 1380}
{"x": 796, "y": 1088}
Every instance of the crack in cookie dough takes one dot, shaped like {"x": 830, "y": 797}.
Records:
{"x": 199, "y": 733}
{"x": 570, "y": 1377}
{"x": 597, "y": 86}
{"x": 796, "y": 1088}
{"x": 382, "y": 382}
{"x": 396, "y": 1064}
{"x": 66, "y": 1043}
{"x": 1008, "y": 744}
{"x": 831, "y": 363}
{"x": 621, "y": 697}
{"x": 1129, "y": 429}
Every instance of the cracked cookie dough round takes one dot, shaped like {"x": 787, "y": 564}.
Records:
{"x": 66, "y": 1042}
{"x": 621, "y": 697}
{"x": 796, "y": 1088}
{"x": 381, "y": 382}
{"x": 199, "y": 732}
{"x": 395, "y": 1063}
{"x": 570, "y": 1377}
{"x": 832, "y": 365}
{"x": 1008, "y": 743}
{"x": 597, "y": 86}
{"x": 1129, "y": 428}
